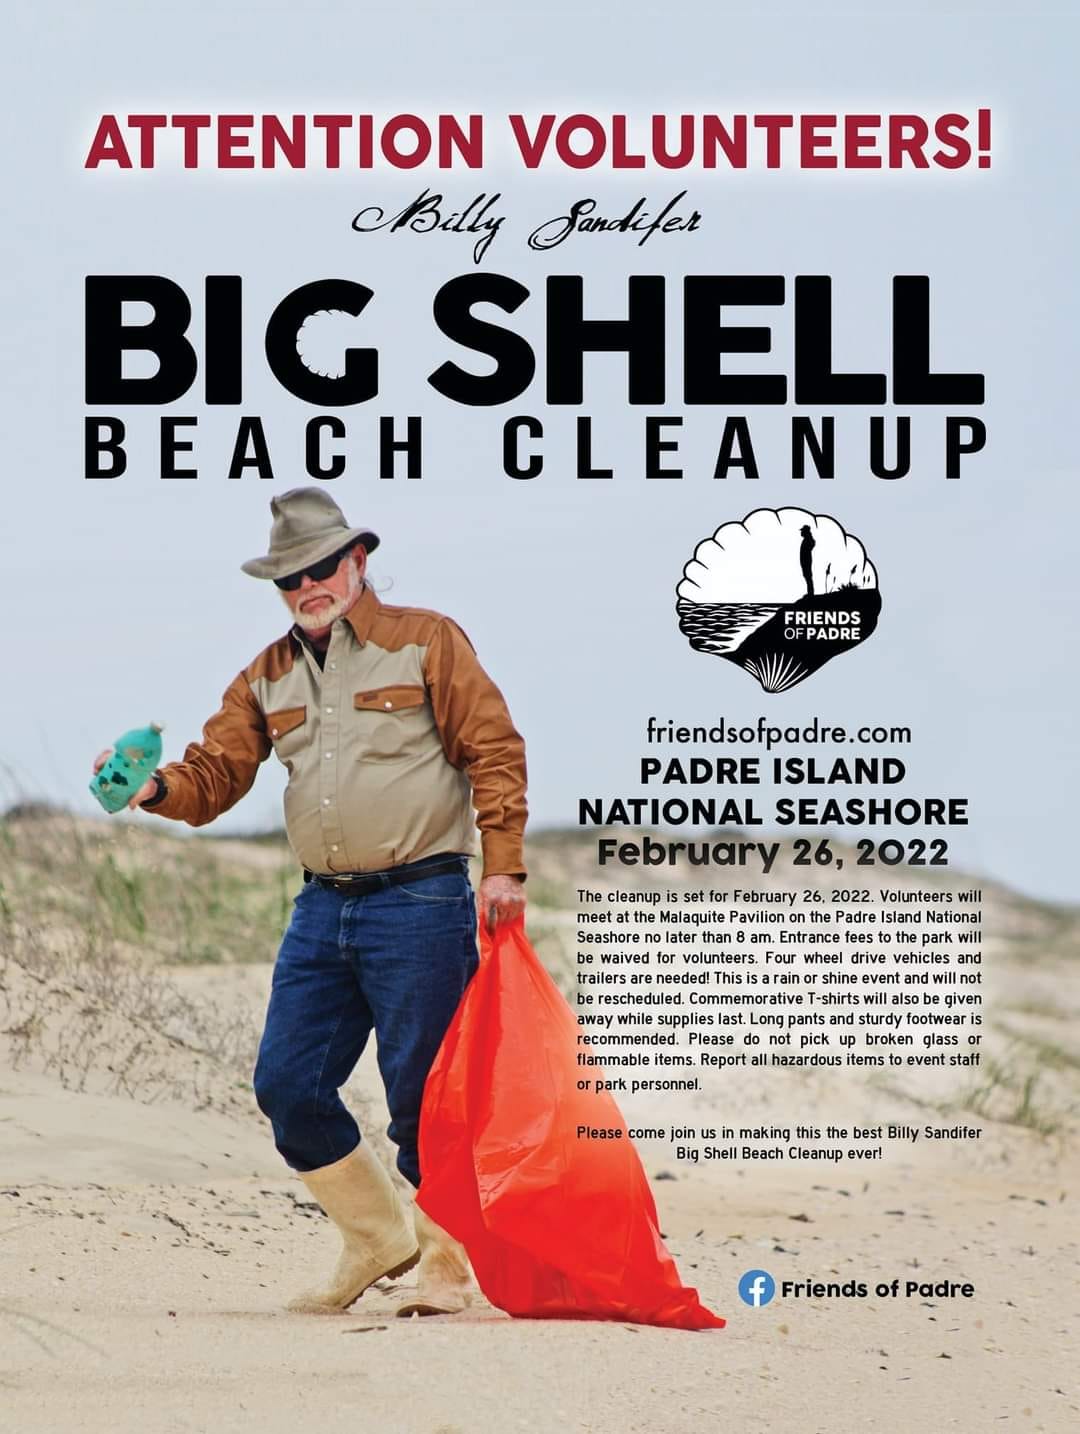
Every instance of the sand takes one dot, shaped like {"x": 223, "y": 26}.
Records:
{"x": 147, "y": 1250}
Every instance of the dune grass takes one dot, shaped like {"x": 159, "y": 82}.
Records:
{"x": 178, "y": 900}
{"x": 89, "y": 914}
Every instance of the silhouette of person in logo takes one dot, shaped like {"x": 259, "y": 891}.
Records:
{"x": 806, "y": 560}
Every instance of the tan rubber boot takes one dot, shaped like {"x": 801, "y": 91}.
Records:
{"x": 358, "y": 1196}
{"x": 442, "y": 1285}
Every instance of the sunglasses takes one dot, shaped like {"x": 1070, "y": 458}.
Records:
{"x": 317, "y": 572}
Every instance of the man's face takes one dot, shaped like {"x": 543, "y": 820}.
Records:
{"x": 315, "y": 606}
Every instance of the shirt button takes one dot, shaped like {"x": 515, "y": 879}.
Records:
{"x": 329, "y": 755}
{"x": 326, "y": 801}
{"x": 333, "y": 667}
{"x": 388, "y": 705}
{"x": 273, "y": 731}
{"x": 333, "y": 848}
{"x": 329, "y": 710}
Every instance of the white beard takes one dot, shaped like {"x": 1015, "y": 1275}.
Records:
{"x": 316, "y": 621}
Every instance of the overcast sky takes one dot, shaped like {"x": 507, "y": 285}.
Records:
{"x": 127, "y": 598}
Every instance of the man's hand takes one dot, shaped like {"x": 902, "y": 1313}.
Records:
{"x": 148, "y": 788}
{"x": 502, "y": 898}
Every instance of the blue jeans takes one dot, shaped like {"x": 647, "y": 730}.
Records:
{"x": 395, "y": 961}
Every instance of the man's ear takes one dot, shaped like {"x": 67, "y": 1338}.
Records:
{"x": 360, "y": 559}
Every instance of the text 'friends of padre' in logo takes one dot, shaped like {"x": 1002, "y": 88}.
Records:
{"x": 779, "y": 594}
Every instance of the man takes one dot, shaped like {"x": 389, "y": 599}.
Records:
{"x": 806, "y": 559}
{"x": 392, "y": 733}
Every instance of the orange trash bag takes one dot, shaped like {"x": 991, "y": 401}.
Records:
{"x": 556, "y": 1227}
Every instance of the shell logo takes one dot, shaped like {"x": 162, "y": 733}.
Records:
{"x": 779, "y": 594}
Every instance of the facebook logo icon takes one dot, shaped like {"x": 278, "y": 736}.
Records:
{"x": 757, "y": 1288}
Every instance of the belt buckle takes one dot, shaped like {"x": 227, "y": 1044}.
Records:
{"x": 352, "y": 884}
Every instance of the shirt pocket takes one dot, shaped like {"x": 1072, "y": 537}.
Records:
{"x": 392, "y": 723}
{"x": 287, "y": 728}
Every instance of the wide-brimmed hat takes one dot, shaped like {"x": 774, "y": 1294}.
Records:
{"x": 308, "y": 526}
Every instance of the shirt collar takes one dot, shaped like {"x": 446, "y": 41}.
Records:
{"x": 361, "y": 616}
{"x": 300, "y": 639}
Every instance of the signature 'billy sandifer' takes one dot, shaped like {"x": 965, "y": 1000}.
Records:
{"x": 426, "y": 214}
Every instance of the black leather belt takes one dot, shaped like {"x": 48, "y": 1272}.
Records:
{"x": 361, "y": 883}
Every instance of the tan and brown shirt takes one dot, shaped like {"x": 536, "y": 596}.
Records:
{"x": 389, "y": 746}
